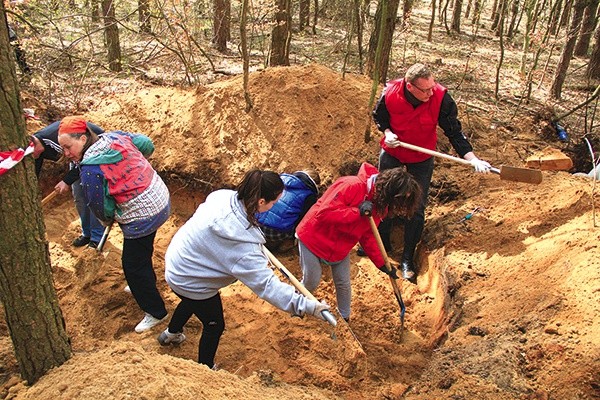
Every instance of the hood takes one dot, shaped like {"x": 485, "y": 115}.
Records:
{"x": 230, "y": 222}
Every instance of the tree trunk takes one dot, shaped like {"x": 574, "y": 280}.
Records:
{"x": 32, "y": 313}
{"x": 431, "y": 22}
{"x": 455, "y": 26}
{"x": 567, "y": 54}
{"x": 221, "y": 27}
{"x": 315, "y": 17}
{"x": 245, "y": 58}
{"x": 555, "y": 17}
{"x": 388, "y": 34}
{"x": 144, "y": 10}
{"x": 476, "y": 13}
{"x": 503, "y": 12}
{"x": 111, "y": 36}
{"x": 495, "y": 17}
{"x": 500, "y": 31}
{"x": 593, "y": 68}
{"x": 406, "y": 11}
{"x": 513, "y": 19}
{"x": 96, "y": 10}
{"x": 587, "y": 28}
{"x": 281, "y": 34}
{"x": 304, "y": 13}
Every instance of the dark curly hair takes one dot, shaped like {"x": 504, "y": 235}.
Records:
{"x": 398, "y": 191}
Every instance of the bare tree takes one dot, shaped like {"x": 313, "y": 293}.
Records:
{"x": 31, "y": 309}
{"x": 304, "y": 13}
{"x": 587, "y": 28}
{"x": 281, "y": 35}
{"x": 111, "y": 36}
{"x": 431, "y": 21}
{"x": 144, "y": 10}
{"x": 455, "y": 26}
{"x": 514, "y": 14}
{"x": 245, "y": 58}
{"x": 221, "y": 26}
{"x": 407, "y": 7}
{"x": 387, "y": 19}
{"x": 593, "y": 68}
{"x": 567, "y": 53}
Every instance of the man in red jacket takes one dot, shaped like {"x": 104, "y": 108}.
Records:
{"x": 340, "y": 219}
{"x": 409, "y": 110}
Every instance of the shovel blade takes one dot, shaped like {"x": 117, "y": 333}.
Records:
{"x": 516, "y": 174}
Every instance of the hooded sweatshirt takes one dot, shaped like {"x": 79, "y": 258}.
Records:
{"x": 218, "y": 246}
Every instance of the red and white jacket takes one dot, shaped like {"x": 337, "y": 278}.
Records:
{"x": 333, "y": 226}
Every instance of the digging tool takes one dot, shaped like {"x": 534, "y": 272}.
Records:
{"x": 49, "y": 198}
{"x": 299, "y": 286}
{"x": 104, "y": 238}
{"x": 507, "y": 173}
{"x": 389, "y": 267}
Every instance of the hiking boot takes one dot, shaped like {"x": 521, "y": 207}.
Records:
{"x": 408, "y": 269}
{"x": 93, "y": 244}
{"x": 166, "y": 338}
{"x": 80, "y": 241}
{"x": 148, "y": 322}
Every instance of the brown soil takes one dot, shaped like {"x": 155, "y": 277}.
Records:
{"x": 506, "y": 305}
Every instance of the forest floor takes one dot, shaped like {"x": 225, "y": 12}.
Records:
{"x": 506, "y": 304}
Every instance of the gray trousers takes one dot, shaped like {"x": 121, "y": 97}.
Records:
{"x": 340, "y": 270}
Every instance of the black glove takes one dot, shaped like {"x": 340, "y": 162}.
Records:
{"x": 365, "y": 208}
{"x": 392, "y": 272}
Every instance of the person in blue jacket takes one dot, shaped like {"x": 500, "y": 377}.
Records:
{"x": 301, "y": 190}
{"x": 46, "y": 147}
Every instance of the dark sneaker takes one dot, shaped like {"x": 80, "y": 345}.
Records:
{"x": 92, "y": 244}
{"x": 80, "y": 241}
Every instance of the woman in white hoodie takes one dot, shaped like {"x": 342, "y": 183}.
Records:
{"x": 219, "y": 244}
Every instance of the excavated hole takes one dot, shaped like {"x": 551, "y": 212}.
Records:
{"x": 258, "y": 336}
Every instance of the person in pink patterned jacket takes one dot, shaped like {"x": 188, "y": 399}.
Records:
{"x": 120, "y": 185}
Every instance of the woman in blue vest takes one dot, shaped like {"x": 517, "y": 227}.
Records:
{"x": 301, "y": 190}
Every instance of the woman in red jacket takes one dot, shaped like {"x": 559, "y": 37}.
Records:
{"x": 339, "y": 220}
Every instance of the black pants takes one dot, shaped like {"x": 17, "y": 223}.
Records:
{"x": 210, "y": 313}
{"x": 413, "y": 228}
{"x": 140, "y": 276}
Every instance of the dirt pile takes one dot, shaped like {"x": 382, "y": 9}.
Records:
{"x": 302, "y": 116}
{"x": 506, "y": 305}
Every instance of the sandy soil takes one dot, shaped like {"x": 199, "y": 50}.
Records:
{"x": 506, "y": 305}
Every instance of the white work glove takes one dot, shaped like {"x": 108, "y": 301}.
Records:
{"x": 391, "y": 140}
{"x": 319, "y": 308}
{"x": 480, "y": 165}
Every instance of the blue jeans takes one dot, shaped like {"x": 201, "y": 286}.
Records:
{"x": 90, "y": 226}
{"x": 340, "y": 271}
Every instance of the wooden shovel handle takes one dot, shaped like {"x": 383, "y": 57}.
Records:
{"x": 296, "y": 283}
{"x": 49, "y": 198}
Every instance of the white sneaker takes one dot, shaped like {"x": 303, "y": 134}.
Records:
{"x": 127, "y": 289}
{"x": 147, "y": 323}
{"x": 167, "y": 338}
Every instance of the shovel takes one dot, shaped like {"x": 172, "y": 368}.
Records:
{"x": 49, "y": 198}
{"x": 389, "y": 268}
{"x": 507, "y": 173}
{"x": 104, "y": 238}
